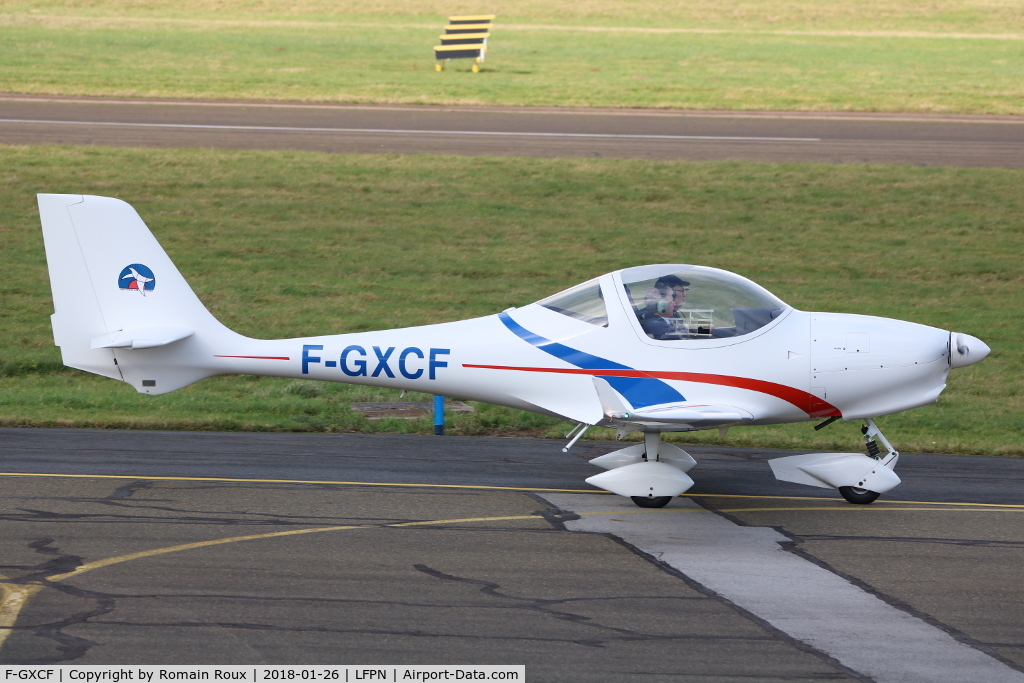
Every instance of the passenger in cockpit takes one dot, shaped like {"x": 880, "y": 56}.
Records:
{"x": 662, "y": 301}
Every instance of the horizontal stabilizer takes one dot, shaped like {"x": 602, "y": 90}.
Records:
{"x": 833, "y": 470}
{"x": 141, "y": 338}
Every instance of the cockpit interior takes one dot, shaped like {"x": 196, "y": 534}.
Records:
{"x": 677, "y": 302}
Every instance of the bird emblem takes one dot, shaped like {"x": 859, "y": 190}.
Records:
{"x": 136, "y": 280}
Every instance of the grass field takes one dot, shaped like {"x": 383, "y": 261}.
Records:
{"x": 903, "y": 55}
{"x": 446, "y": 238}
{"x": 285, "y": 244}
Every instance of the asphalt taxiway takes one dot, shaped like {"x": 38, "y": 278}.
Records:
{"x": 954, "y": 140}
{"x": 128, "y": 547}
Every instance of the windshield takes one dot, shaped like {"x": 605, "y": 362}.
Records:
{"x": 583, "y": 302}
{"x": 676, "y": 302}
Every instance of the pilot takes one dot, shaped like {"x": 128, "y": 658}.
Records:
{"x": 679, "y": 288}
{"x": 662, "y": 301}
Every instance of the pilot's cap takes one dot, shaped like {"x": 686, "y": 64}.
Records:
{"x": 671, "y": 281}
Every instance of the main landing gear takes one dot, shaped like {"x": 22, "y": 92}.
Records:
{"x": 649, "y": 473}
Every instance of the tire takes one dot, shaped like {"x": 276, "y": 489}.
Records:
{"x": 656, "y": 502}
{"x": 857, "y": 496}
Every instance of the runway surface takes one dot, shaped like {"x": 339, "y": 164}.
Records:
{"x": 978, "y": 141}
{"x": 169, "y": 547}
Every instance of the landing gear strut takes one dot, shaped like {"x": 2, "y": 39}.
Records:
{"x": 859, "y": 496}
{"x": 651, "y": 442}
{"x": 870, "y": 432}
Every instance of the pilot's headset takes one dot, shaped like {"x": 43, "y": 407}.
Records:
{"x": 659, "y": 298}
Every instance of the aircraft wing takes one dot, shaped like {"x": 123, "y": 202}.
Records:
{"x": 696, "y": 415}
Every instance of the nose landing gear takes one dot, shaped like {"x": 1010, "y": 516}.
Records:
{"x": 859, "y": 478}
{"x": 861, "y": 496}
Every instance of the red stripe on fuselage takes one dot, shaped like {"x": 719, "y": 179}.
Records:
{"x": 809, "y": 403}
{"x": 216, "y": 355}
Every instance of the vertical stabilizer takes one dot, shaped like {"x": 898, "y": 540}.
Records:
{"x": 122, "y": 309}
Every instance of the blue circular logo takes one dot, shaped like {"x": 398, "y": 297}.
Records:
{"x": 137, "y": 277}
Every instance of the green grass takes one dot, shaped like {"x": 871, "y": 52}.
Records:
{"x": 282, "y": 244}
{"x": 807, "y": 55}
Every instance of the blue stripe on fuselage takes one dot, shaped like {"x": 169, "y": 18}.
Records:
{"x": 639, "y": 391}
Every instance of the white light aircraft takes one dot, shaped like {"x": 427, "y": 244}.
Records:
{"x": 651, "y": 349}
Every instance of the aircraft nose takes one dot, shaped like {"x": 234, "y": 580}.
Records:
{"x": 966, "y": 350}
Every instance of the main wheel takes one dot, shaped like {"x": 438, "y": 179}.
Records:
{"x": 858, "y": 496}
{"x": 656, "y": 502}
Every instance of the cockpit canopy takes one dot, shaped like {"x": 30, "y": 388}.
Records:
{"x": 583, "y": 302}
{"x": 693, "y": 302}
{"x": 677, "y": 302}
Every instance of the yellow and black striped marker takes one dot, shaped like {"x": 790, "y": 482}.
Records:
{"x": 465, "y": 38}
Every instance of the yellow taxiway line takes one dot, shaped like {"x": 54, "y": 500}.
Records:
{"x": 293, "y": 481}
{"x": 837, "y": 500}
{"x": 873, "y": 508}
{"x": 480, "y": 487}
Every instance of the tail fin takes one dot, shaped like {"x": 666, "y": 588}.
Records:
{"x": 122, "y": 309}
